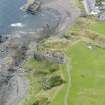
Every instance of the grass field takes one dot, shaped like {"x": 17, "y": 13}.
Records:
{"x": 88, "y": 76}
{"x": 98, "y": 27}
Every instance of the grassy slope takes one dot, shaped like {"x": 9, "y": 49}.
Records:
{"x": 35, "y": 89}
{"x": 59, "y": 98}
{"x": 58, "y": 45}
{"x": 88, "y": 24}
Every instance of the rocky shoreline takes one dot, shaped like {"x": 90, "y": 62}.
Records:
{"x": 14, "y": 49}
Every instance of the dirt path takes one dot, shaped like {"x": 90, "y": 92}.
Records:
{"x": 68, "y": 69}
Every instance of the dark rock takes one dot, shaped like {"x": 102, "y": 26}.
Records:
{"x": 50, "y": 56}
{"x": 34, "y": 7}
{"x": 3, "y": 38}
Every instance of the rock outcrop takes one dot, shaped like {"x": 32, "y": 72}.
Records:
{"x": 34, "y": 7}
{"x": 13, "y": 86}
{"x": 54, "y": 57}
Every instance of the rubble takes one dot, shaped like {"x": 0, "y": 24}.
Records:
{"x": 54, "y": 57}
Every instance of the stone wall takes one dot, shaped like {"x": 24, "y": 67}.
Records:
{"x": 54, "y": 57}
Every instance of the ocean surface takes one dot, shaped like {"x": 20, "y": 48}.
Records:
{"x": 13, "y": 19}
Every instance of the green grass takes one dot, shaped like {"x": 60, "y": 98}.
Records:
{"x": 89, "y": 24}
{"x": 37, "y": 70}
{"x": 98, "y": 27}
{"x": 59, "y": 98}
{"x": 44, "y": 66}
{"x": 88, "y": 76}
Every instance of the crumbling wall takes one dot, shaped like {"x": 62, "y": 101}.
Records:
{"x": 50, "y": 56}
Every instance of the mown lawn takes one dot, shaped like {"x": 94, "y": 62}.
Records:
{"x": 88, "y": 75}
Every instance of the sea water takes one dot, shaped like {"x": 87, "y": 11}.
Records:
{"x": 12, "y": 18}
